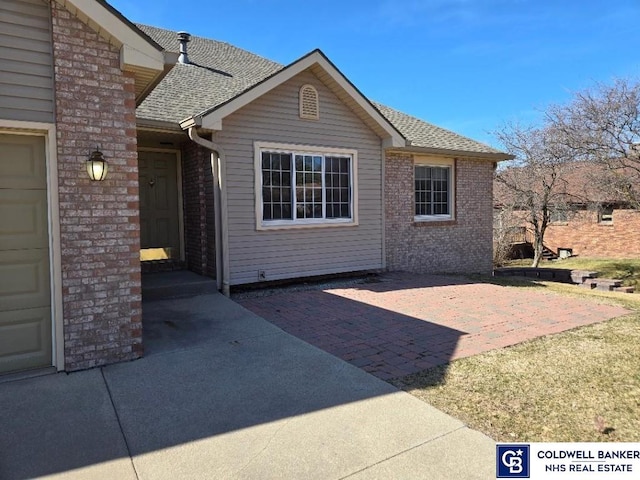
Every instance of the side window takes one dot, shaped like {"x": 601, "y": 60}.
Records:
{"x": 433, "y": 192}
{"x": 558, "y": 216}
{"x": 605, "y": 214}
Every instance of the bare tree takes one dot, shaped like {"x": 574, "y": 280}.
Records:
{"x": 602, "y": 125}
{"x": 533, "y": 185}
{"x": 507, "y": 230}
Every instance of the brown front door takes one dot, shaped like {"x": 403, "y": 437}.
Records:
{"x": 159, "y": 219}
{"x": 25, "y": 290}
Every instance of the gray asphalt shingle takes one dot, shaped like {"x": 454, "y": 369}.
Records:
{"x": 427, "y": 135}
{"x": 219, "y": 72}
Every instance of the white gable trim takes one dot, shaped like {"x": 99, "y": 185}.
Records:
{"x": 213, "y": 120}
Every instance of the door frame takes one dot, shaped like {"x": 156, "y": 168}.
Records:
{"x": 178, "y": 155}
{"x": 48, "y": 131}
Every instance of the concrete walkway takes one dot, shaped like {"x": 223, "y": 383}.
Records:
{"x": 224, "y": 394}
{"x": 405, "y": 323}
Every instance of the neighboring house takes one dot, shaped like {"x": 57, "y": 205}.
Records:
{"x": 227, "y": 164}
{"x": 590, "y": 222}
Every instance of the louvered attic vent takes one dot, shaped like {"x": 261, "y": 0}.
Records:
{"x": 309, "y": 102}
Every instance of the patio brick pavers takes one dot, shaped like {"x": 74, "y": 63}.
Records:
{"x": 407, "y": 323}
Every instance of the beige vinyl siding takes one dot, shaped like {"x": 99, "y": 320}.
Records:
{"x": 26, "y": 63}
{"x": 323, "y": 250}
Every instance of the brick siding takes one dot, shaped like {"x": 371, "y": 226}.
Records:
{"x": 588, "y": 238}
{"x": 199, "y": 214}
{"x": 463, "y": 245}
{"x": 99, "y": 221}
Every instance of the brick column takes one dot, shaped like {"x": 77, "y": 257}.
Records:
{"x": 99, "y": 221}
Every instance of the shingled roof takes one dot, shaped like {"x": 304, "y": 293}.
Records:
{"x": 219, "y": 72}
{"x": 423, "y": 134}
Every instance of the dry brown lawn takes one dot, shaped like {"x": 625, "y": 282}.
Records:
{"x": 580, "y": 385}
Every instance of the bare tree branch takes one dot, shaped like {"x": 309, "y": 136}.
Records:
{"x": 602, "y": 125}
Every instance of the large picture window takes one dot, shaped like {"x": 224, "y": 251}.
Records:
{"x": 304, "y": 187}
{"x": 433, "y": 192}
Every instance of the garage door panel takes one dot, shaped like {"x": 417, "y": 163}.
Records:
{"x": 25, "y": 339}
{"x": 22, "y": 162}
{"x": 24, "y": 219}
{"x": 24, "y": 279}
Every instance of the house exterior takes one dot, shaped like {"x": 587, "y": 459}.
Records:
{"x": 226, "y": 164}
{"x": 248, "y": 108}
{"x": 590, "y": 221}
{"x": 611, "y": 231}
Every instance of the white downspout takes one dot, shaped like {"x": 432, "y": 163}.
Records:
{"x": 220, "y": 205}
{"x": 384, "y": 204}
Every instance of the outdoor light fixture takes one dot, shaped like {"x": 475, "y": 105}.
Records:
{"x": 97, "y": 166}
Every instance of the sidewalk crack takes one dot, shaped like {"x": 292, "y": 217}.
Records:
{"x": 403, "y": 452}
{"x": 115, "y": 411}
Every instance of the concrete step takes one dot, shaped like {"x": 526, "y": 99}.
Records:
{"x": 581, "y": 276}
{"x": 177, "y": 284}
{"x": 624, "y": 289}
{"x": 608, "y": 284}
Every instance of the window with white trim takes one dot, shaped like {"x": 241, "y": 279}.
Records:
{"x": 433, "y": 191}
{"x": 304, "y": 187}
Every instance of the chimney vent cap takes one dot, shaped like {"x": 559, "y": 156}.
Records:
{"x": 183, "y": 38}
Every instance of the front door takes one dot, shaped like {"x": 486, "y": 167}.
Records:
{"x": 159, "y": 218}
{"x": 25, "y": 290}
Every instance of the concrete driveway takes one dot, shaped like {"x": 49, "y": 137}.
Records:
{"x": 224, "y": 394}
{"x": 403, "y": 323}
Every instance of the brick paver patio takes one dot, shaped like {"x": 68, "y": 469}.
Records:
{"x": 407, "y": 323}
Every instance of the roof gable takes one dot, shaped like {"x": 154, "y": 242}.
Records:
{"x": 317, "y": 62}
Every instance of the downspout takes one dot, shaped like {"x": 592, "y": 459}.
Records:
{"x": 384, "y": 204}
{"x": 219, "y": 198}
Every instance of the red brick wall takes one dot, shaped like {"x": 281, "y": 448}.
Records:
{"x": 588, "y": 238}
{"x": 199, "y": 215}
{"x": 99, "y": 221}
{"x": 463, "y": 245}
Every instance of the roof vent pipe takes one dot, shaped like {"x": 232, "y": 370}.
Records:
{"x": 183, "y": 38}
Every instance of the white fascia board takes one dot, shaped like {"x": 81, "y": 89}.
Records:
{"x": 213, "y": 119}
{"x": 136, "y": 51}
{"x": 130, "y": 56}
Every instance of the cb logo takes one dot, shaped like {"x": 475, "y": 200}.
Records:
{"x": 512, "y": 461}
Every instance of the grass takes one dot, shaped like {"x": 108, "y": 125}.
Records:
{"x": 580, "y": 385}
{"x": 627, "y": 270}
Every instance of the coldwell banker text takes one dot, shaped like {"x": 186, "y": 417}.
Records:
{"x": 590, "y": 460}
{"x": 590, "y": 455}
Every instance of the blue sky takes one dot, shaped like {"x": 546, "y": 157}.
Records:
{"x": 466, "y": 65}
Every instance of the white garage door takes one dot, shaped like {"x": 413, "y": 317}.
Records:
{"x": 25, "y": 298}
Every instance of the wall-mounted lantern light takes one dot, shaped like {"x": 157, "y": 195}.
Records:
{"x": 97, "y": 166}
